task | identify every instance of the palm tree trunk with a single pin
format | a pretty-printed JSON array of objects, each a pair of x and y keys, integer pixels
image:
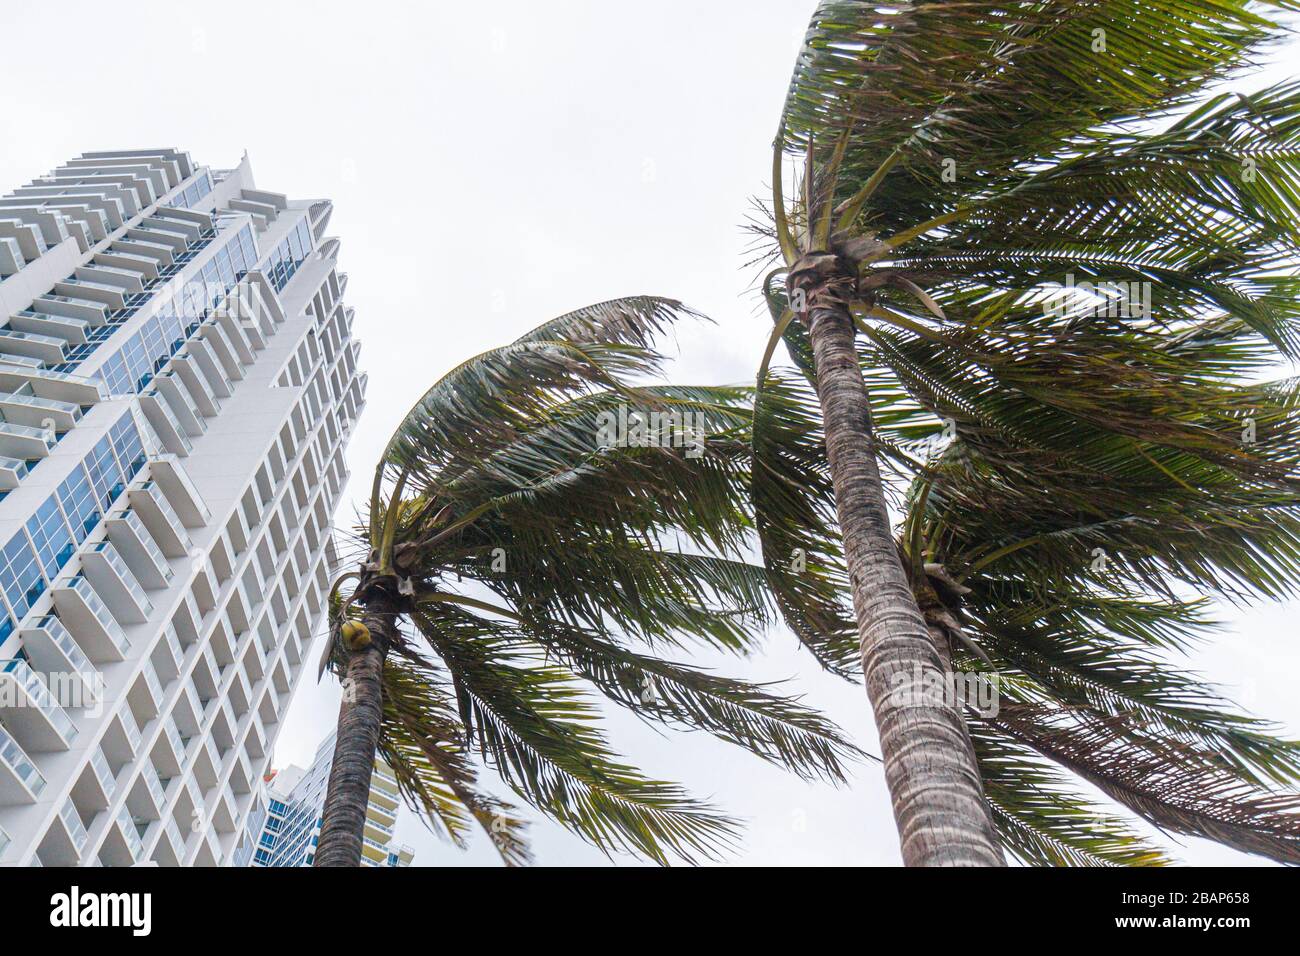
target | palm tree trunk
[
  {"x": 930, "y": 768},
  {"x": 348, "y": 793}
]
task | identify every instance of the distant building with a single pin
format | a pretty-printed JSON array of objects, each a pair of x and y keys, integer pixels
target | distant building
[{"x": 296, "y": 799}]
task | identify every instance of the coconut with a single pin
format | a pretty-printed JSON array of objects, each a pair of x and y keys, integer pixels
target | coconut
[{"x": 356, "y": 635}]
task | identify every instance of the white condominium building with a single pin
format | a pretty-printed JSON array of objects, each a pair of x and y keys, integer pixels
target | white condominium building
[
  {"x": 178, "y": 381},
  {"x": 290, "y": 828}
]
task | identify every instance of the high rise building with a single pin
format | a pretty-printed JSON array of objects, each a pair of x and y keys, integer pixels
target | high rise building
[
  {"x": 290, "y": 826},
  {"x": 178, "y": 381}
]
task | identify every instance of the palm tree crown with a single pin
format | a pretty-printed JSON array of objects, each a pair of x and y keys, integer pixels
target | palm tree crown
[{"x": 534, "y": 555}]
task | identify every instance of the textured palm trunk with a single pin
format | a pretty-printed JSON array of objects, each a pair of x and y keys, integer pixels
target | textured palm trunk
[
  {"x": 348, "y": 793},
  {"x": 930, "y": 766}
]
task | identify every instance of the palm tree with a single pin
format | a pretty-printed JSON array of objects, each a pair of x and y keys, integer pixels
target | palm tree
[
  {"x": 519, "y": 548},
  {"x": 957, "y": 161},
  {"x": 1061, "y": 574}
]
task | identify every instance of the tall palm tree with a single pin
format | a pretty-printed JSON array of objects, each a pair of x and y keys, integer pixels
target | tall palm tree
[
  {"x": 955, "y": 161},
  {"x": 1061, "y": 573},
  {"x": 522, "y": 545}
]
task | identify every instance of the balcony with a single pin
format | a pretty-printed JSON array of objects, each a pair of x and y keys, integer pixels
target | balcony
[
  {"x": 145, "y": 266},
  {"x": 110, "y": 295},
  {"x": 61, "y": 386},
  {"x": 90, "y": 621},
  {"x": 210, "y": 365},
  {"x": 188, "y": 619},
  {"x": 170, "y": 752},
  {"x": 174, "y": 435},
  {"x": 168, "y": 655},
  {"x": 20, "y": 781},
  {"x": 129, "y": 831},
  {"x": 242, "y": 778},
  {"x": 214, "y": 334},
  {"x": 73, "y": 306},
  {"x": 174, "y": 239},
  {"x": 34, "y": 411},
  {"x": 131, "y": 730},
  {"x": 147, "y": 798},
  {"x": 12, "y": 472},
  {"x": 65, "y": 840},
  {"x": 256, "y": 333},
  {"x": 95, "y": 787},
  {"x": 136, "y": 545},
  {"x": 64, "y": 327},
  {"x": 381, "y": 797},
  {"x": 170, "y": 848},
  {"x": 25, "y": 442},
  {"x": 52, "y": 649},
  {"x": 128, "y": 280},
  {"x": 374, "y": 849},
  {"x": 255, "y": 660},
  {"x": 206, "y": 674},
  {"x": 160, "y": 252},
  {"x": 177, "y": 393},
  {"x": 207, "y": 763},
  {"x": 32, "y": 345},
  {"x": 255, "y": 740},
  {"x": 146, "y": 694},
  {"x": 115, "y": 583},
  {"x": 240, "y": 694},
  {"x": 179, "y": 491},
  {"x": 225, "y": 811},
  {"x": 187, "y": 713},
  {"x": 234, "y": 333},
  {"x": 377, "y": 831},
  {"x": 35, "y": 718},
  {"x": 187, "y": 369},
  {"x": 192, "y": 231}
]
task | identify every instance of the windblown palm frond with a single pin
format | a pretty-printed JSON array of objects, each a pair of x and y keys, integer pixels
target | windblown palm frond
[{"x": 547, "y": 519}]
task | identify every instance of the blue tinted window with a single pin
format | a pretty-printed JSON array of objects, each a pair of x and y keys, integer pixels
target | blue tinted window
[
  {"x": 105, "y": 476},
  {"x": 127, "y": 444},
  {"x": 78, "y": 502},
  {"x": 51, "y": 537},
  {"x": 20, "y": 574},
  {"x": 115, "y": 375},
  {"x": 249, "y": 246}
]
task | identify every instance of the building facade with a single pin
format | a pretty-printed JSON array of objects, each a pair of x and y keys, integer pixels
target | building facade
[
  {"x": 290, "y": 826},
  {"x": 178, "y": 382}
]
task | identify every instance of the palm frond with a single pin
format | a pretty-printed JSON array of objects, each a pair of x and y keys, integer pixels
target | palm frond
[
  {"x": 422, "y": 740},
  {"x": 537, "y": 730}
]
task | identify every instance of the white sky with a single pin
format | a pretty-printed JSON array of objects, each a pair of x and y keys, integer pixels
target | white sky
[{"x": 493, "y": 166}]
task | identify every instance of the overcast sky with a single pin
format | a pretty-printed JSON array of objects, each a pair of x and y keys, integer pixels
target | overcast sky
[{"x": 493, "y": 166}]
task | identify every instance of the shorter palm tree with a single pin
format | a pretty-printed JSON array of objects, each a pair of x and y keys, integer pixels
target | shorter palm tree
[{"x": 543, "y": 522}]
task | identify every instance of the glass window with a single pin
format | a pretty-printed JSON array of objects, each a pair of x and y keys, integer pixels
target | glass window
[
  {"x": 127, "y": 444},
  {"x": 51, "y": 537},
  {"x": 20, "y": 574},
  {"x": 249, "y": 246},
  {"x": 78, "y": 502},
  {"x": 105, "y": 476},
  {"x": 295, "y": 246}
]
